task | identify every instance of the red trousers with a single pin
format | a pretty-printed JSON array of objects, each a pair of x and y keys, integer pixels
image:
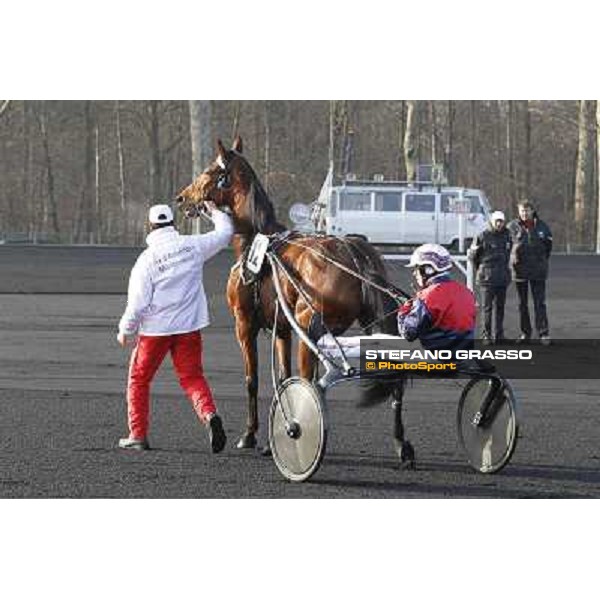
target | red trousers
[{"x": 146, "y": 358}]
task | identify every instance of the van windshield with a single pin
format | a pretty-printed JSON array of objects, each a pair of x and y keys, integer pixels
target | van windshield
[{"x": 476, "y": 204}]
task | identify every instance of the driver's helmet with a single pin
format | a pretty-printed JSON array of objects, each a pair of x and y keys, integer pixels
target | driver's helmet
[{"x": 431, "y": 255}]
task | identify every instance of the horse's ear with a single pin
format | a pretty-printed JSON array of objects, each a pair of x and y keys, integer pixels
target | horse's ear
[
  {"x": 221, "y": 149},
  {"x": 237, "y": 144}
]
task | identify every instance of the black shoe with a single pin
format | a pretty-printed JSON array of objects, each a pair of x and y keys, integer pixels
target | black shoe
[
  {"x": 216, "y": 434},
  {"x": 486, "y": 341},
  {"x": 130, "y": 443},
  {"x": 523, "y": 339},
  {"x": 545, "y": 339}
]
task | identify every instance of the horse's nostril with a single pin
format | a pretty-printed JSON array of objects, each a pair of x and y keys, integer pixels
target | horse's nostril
[{"x": 179, "y": 199}]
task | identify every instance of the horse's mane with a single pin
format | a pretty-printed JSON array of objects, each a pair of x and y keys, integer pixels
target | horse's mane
[{"x": 262, "y": 212}]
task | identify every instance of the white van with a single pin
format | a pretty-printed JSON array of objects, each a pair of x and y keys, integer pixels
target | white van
[{"x": 398, "y": 214}]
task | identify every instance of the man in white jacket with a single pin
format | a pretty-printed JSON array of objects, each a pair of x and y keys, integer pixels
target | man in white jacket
[{"x": 167, "y": 308}]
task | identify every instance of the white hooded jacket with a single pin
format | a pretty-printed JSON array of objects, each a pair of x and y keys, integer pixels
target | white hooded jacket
[{"x": 166, "y": 293}]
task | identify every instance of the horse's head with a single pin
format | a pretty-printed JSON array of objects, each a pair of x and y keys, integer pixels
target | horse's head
[{"x": 225, "y": 178}]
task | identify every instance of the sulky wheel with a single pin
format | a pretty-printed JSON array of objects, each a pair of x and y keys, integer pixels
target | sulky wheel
[
  {"x": 297, "y": 429},
  {"x": 487, "y": 423}
]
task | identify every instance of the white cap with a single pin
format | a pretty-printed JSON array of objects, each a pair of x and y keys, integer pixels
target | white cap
[
  {"x": 497, "y": 215},
  {"x": 160, "y": 213}
]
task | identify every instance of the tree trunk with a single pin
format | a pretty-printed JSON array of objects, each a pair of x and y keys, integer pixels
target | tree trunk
[
  {"x": 401, "y": 132},
  {"x": 84, "y": 227},
  {"x": 472, "y": 141},
  {"x": 579, "y": 215},
  {"x": 121, "y": 161},
  {"x": 450, "y": 142},
  {"x": 201, "y": 141},
  {"x": 97, "y": 205},
  {"x": 26, "y": 182},
  {"x": 527, "y": 159},
  {"x": 267, "y": 148},
  {"x": 236, "y": 118},
  {"x": 338, "y": 135},
  {"x": 51, "y": 210},
  {"x": 331, "y": 131},
  {"x": 154, "y": 143},
  {"x": 4, "y": 107},
  {"x": 598, "y": 175},
  {"x": 410, "y": 158},
  {"x": 201, "y": 134},
  {"x": 433, "y": 132}
]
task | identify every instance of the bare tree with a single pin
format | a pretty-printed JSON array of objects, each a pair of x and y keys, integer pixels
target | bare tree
[
  {"x": 235, "y": 127},
  {"x": 267, "y": 146},
  {"x": 201, "y": 134},
  {"x": 433, "y": 131},
  {"x": 598, "y": 175},
  {"x": 153, "y": 132},
  {"x": 410, "y": 158},
  {"x": 472, "y": 140},
  {"x": 4, "y": 107},
  {"x": 401, "y": 171},
  {"x": 581, "y": 170},
  {"x": 449, "y": 147},
  {"x": 527, "y": 160},
  {"x": 84, "y": 226},
  {"x": 201, "y": 139},
  {"x": 50, "y": 207},
  {"x": 121, "y": 163},
  {"x": 97, "y": 205}
]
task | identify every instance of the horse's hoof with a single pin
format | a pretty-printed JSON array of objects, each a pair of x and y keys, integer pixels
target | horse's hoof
[
  {"x": 247, "y": 441},
  {"x": 266, "y": 450},
  {"x": 406, "y": 454}
]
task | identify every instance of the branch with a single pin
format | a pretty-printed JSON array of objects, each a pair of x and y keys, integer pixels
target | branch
[{"x": 4, "y": 107}]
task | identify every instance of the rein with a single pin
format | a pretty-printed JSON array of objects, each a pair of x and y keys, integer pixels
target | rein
[{"x": 386, "y": 290}]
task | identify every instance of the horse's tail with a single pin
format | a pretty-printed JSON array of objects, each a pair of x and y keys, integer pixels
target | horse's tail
[
  {"x": 379, "y": 308},
  {"x": 378, "y": 314}
]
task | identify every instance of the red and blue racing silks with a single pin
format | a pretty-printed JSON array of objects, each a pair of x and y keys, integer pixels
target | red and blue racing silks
[{"x": 441, "y": 315}]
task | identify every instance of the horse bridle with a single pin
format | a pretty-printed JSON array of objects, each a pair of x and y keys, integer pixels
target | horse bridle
[{"x": 224, "y": 177}]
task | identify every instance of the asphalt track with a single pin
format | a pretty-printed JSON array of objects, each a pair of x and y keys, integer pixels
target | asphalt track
[{"x": 62, "y": 404}]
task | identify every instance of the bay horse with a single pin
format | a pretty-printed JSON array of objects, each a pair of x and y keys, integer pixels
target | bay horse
[{"x": 336, "y": 296}]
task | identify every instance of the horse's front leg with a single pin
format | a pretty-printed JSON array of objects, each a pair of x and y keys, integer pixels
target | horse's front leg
[
  {"x": 404, "y": 449},
  {"x": 246, "y": 334}
]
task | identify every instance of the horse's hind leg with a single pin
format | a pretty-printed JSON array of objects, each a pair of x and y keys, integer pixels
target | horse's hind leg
[
  {"x": 306, "y": 361},
  {"x": 283, "y": 345},
  {"x": 404, "y": 449}
]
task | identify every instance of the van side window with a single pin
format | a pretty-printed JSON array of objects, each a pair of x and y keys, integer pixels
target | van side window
[
  {"x": 420, "y": 202},
  {"x": 388, "y": 202},
  {"x": 355, "y": 201}
]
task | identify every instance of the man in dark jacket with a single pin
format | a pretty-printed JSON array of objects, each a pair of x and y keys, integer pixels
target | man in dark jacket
[
  {"x": 532, "y": 246},
  {"x": 490, "y": 253}
]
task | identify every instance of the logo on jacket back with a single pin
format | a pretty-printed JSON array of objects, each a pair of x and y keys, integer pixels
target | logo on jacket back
[{"x": 170, "y": 259}]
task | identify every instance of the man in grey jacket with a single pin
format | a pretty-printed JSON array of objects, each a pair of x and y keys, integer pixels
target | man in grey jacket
[
  {"x": 490, "y": 253},
  {"x": 532, "y": 246}
]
